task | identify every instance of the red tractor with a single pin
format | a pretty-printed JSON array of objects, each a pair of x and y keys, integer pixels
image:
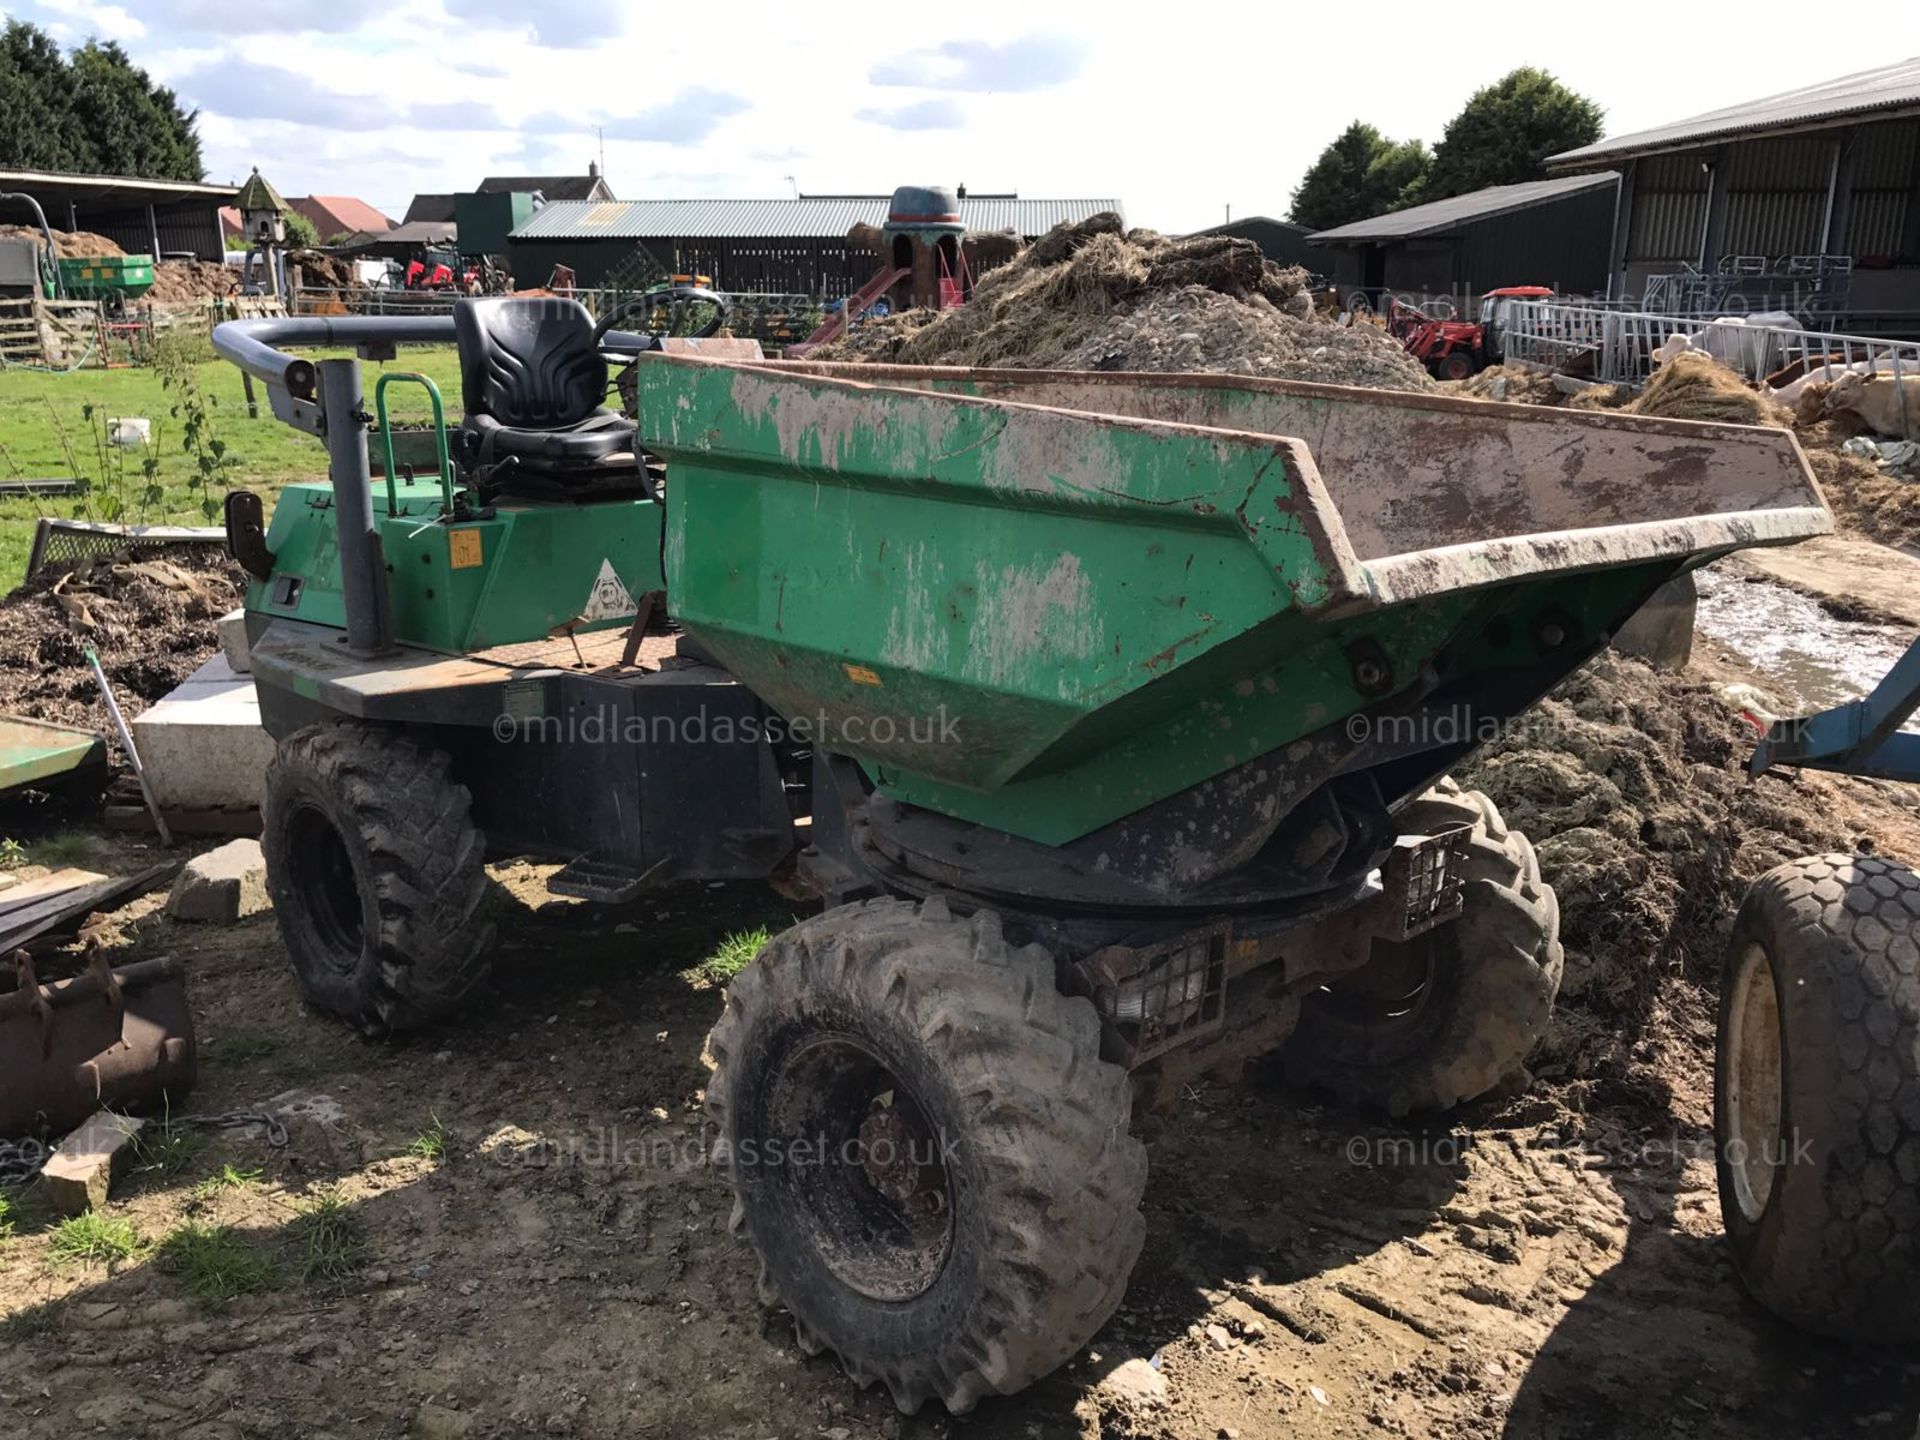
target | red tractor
[{"x": 1455, "y": 349}]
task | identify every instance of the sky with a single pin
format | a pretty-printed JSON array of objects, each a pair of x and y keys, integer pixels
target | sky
[{"x": 1183, "y": 114}]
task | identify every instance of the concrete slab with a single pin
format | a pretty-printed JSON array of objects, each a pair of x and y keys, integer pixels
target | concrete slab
[
  {"x": 233, "y": 640},
  {"x": 202, "y": 744},
  {"x": 1843, "y": 567},
  {"x": 222, "y": 886},
  {"x": 84, "y": 1163}
]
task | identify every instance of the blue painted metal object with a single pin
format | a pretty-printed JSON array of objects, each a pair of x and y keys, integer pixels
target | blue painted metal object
[{"x": 1862, "y": 737}]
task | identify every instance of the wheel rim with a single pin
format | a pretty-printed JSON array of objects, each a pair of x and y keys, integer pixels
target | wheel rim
[
  {"x": 1756, "y": 1080},
  {"x": 1387, "y": 996},
  {"x": 863, "y": 1165},
  {"x": 327, "y": 888}
]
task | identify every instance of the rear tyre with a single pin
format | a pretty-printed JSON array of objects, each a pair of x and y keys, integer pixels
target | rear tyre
[
  {"x": 974, "y": 1212},
  {"x": 1444, "y": 1017},
  {"x": 1817, "y": 1096},
  {"x": 377, "y": 876}
]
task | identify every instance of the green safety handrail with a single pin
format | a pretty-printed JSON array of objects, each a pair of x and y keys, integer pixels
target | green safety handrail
[{"x": 386, "y": 435}]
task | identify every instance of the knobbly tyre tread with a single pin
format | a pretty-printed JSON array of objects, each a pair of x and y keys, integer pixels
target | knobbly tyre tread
[
  {"x": 409, "y": 830},
  {"x": 1497, "y": 1006},
  {"x": 1045, "y": 1115},
  {"x": 1837, "y": 1248}
]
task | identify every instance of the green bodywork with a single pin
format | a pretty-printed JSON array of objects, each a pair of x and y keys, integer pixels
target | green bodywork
[
  {"x": 34, "y": 752},
  {"x": 106, "y": 277},
  {"x": 1043, "y": 616},
  {"x": 472, "y": 584}
]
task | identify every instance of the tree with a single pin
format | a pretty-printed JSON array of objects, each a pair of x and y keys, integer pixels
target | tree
[
  {"x": 95, "y": 112},
  {"x": 1507, "y": 130},
  {"x": 134, "y": 126},
  {"x": 1361, "y": 174},
  {"x": 300, "y": 231}
]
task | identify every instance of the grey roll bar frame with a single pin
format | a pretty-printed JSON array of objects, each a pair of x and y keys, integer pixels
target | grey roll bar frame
[
  {"x": 311, "y": 394},
  {"x": 303, "y": 391}
]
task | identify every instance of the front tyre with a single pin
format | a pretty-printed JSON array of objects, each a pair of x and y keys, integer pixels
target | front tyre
[
  {"x": 1817, "y": 1096},
  {"x": 377, "y": 876},
  {"x": 926, "y": 1150}
]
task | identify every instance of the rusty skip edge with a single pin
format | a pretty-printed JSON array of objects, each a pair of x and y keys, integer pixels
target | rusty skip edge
[{"x": 1347, "y": 584}]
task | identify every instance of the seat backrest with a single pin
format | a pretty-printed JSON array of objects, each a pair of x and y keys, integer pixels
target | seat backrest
[{"x": 529, "y": 362}]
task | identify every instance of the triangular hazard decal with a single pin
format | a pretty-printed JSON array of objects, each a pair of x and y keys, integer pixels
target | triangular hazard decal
[{"x": 609, "y": 599}]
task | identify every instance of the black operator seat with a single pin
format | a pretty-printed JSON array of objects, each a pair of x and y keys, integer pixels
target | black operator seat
[{"x": 532, "y": 382}]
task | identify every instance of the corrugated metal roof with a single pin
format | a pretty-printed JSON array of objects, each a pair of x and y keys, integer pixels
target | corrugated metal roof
[
  {"x": 108, "y": 187},
  {"x": 812, "y": 217},
  {"x": 1441, "y": 215},
  {"x": 1892, "y": 87}
]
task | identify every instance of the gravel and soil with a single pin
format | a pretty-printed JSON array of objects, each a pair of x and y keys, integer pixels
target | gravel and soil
[{"x": 535, "y": 1244}]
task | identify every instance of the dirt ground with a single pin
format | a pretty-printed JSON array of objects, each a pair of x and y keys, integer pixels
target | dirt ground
[{"x": 1545, "y": 1264}]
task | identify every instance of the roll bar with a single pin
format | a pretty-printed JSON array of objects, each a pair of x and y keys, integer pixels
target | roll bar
[{"x": 250, "y": 344}]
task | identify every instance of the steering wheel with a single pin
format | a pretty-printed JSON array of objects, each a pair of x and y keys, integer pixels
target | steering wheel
[{"x": 648, "y": 303}]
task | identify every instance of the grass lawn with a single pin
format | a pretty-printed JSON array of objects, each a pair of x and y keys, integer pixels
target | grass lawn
[{"x": 36, "y": 408}]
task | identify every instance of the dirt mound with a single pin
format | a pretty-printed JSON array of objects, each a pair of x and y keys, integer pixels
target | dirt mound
[
  {"x": 150, "y": 619},
  {"x": 879, "y": 338},
  {"x": 1695, "y": 386},
  {"x": 324, "y": 271},
  {"x": 1086, "y": 296},
  {"x": 1197, "y": 329},
  {"x": 67, "y": 244},
  {"x": 181, "y": 281},
  {"x": 1630, "y": 784}
]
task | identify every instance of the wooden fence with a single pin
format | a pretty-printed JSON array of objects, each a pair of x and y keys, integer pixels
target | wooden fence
[{"x": 85, "y": 334}]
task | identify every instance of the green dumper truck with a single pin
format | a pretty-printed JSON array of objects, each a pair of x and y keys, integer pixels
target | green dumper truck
[{"x": 1107, "y": 717}]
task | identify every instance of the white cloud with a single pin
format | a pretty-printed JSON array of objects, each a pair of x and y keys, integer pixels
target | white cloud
[
  {"x": 380, "y": 98},
  {"x": 938, "y": 114},
  {"x": 1032, "y": 62}
]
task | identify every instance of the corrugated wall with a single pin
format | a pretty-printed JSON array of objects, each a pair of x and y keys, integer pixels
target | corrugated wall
[
  {"x": 1777, "y": 195},
  {"x": 1884, "y": 170},
  {"x": 190, "y": 228},
  {"x": 1563, "y": 243},
  {"x": 1669, "y": 209}
]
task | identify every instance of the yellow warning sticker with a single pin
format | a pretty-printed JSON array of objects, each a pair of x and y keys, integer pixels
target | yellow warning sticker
[
  {"x": 463, "y": 549},
  {"x": 861, "y": 675}
]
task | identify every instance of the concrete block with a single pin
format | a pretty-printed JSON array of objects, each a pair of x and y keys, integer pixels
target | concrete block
[
  {"x": 1661, "y": 631},
  {"x": 223, "y": 885},
  {"x": 202, "y": 744},
  {"x": 233, "y": 641},
  {"x": 84, "y": 1164}
]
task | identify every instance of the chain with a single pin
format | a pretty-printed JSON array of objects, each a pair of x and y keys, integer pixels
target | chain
[
  {"x": 20, "y": 1161},
  {"x": 233, "y": 1119}
]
